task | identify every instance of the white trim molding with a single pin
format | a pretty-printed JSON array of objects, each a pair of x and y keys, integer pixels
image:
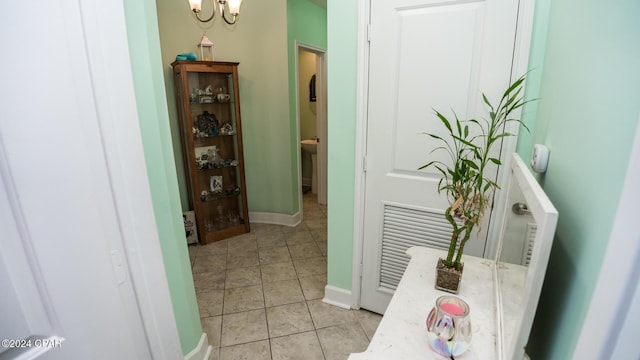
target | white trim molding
[
  {"x": 361, "y": 150},
  {"x": 336, "y": 296},
  {"x": 119, "y": 127},
  {"x": 202, "y": 351},
  {"x": 321, "y": 117},
  {"x": 275, "y": 218}
]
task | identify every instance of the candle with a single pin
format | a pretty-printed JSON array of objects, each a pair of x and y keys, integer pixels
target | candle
[
  {"x": 449, "y": 326},
  {"x": 452, "y": 309}
]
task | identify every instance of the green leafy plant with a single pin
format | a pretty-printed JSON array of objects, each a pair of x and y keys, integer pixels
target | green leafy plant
[{"x": 469, "y": 146}]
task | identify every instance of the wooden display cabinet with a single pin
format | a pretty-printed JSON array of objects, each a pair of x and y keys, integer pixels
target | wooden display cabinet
[{"x": 208, "y": 104}]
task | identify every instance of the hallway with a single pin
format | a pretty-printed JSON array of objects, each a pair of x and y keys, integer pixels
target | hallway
[{"x": 260, "y": 295}]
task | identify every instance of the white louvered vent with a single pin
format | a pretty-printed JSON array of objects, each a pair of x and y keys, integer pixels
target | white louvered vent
[
  {"x": 529, "y": 238},
  {"x": 403, "y": 228}
]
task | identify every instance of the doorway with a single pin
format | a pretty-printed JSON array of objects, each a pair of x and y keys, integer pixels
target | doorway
[{"x": 311, "y": 122}]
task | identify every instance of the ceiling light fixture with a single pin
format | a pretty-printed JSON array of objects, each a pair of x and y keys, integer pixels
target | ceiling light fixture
[{"x": 234, "y": 9}]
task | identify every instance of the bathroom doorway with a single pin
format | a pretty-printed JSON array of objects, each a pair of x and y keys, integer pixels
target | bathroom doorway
[{"x": 311, "y": 110}]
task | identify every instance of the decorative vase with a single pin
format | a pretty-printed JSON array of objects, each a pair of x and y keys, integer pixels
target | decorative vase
[
  {"x": 449, "y": 326},
  {"x": 448, "y": 279}
]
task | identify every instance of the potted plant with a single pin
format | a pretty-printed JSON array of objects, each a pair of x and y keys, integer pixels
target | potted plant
[{"x": 464, "y": 179}]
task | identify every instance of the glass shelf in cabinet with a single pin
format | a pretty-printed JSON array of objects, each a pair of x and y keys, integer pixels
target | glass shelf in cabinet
[
  {"x": 209, "y": 196},
  {"x": 208, "y": 166}
]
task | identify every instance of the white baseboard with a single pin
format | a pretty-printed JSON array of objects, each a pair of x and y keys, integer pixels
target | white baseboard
[
  {"x": 202, "y": 351},
  {"x": 337, "y": 296},
  {"x": 275, "y": 218}
]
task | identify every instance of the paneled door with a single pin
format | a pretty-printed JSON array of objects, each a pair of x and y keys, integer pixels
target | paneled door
[{"x": 423, "y": 55}]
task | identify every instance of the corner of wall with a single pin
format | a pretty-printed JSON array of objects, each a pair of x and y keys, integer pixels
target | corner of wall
[
  {"x": 152, "y": 113},
  {"x": 336, "y": 296},
  {"x": 202, "y": 351}
]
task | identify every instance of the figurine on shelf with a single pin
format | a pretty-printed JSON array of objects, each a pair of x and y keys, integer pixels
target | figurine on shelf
[
  {"x": 207, "y": 157},
  {"x": 205, "y": 99},
  {"x": 213, "y": 156},
  {"x": 220, "y": 89},
  {"x": 223, "y": 98},
  {"x": 207, "y": 124},
  {"x": 232, "y": 190},
  {"x": 226, "y": 129},
  {"x": 197, "y": 133},
  {"x": 216, "y": 184},
  {"x": 199, "y": 96}
]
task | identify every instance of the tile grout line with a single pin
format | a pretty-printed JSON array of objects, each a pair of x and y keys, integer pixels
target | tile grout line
[
  {"x": 313, "y": 233},
  {"x": 264, "y": 300}
]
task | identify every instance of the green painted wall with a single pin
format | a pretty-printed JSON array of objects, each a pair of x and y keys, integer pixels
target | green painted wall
[
  {"x": 144, "y": 46},
  {"x": 307, "y": 24},
  {"x": 534, "y": 77},
  {"x": 258, "y": 41},
  {"x": 587, "y": 115},
  {"x": 341, "y": 119}
]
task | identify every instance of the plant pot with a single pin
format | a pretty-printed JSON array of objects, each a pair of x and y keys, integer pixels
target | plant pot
[{"x": 448, "y": 279}]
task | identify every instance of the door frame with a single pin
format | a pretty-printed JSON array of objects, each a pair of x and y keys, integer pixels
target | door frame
[
  {"x": 524, "y": 29},
  {"x": 321, "y": 118},
  {"x": 137, "y": 256},
  {"x": 124, "y": 154}
]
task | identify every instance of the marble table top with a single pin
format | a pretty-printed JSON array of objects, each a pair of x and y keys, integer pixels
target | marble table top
[{"x": 402, "y": 333}]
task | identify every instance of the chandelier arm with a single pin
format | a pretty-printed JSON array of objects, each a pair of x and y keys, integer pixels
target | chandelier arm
[
  {"x": 227, "y": 21},
  {"x": 224, "y": 17},
  {"x": 213, "y": 13}
]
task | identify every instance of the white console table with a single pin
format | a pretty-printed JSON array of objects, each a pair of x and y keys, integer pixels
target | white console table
[
  {"x": 402, "y": 333},
  {"x": 514, "y": 289}
]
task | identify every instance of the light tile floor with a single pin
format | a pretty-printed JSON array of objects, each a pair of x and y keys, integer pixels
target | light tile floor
[{"x": 260, "y": 295}]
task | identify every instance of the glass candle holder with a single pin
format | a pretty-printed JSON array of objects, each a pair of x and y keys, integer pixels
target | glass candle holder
[{"x": 449, "y": 326}]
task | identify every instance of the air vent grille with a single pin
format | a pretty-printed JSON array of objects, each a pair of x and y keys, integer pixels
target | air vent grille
[
  {"x": 403, "y": 228},
  {"x": 530, "y": 236}
]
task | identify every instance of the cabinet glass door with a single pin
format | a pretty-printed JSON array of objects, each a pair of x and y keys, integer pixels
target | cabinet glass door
[{"x": 213, "y": 151}]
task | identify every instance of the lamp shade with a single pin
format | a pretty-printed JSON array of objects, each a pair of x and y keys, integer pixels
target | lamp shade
[
  {"x": 234, "y": 6},
  {"x": 195, "y": 5}
]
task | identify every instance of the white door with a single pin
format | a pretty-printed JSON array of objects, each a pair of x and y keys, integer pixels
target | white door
[
  {"x": 76, "y": 217},
  {"x": 424, "y": 55}
]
